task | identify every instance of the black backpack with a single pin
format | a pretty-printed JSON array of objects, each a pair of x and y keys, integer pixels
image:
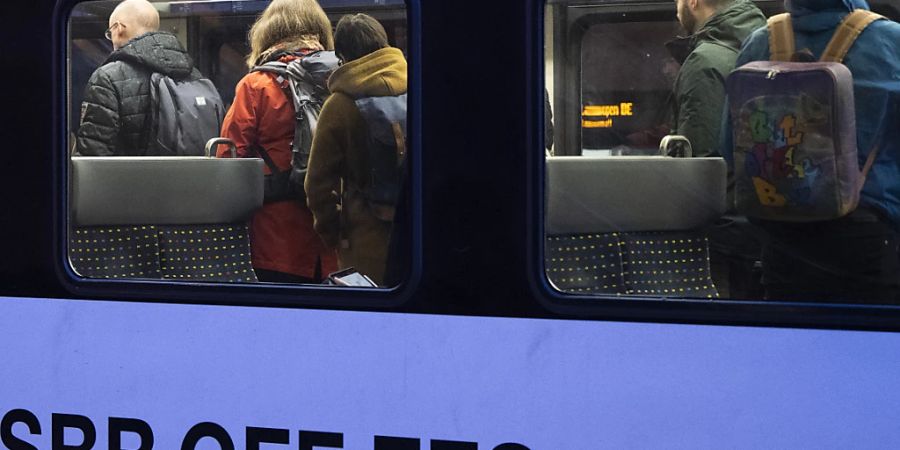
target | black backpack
[
  {"x": 184, "y": 115},
  {"x": 385, "y": 119},
  {"x": 307, "y": 89}
]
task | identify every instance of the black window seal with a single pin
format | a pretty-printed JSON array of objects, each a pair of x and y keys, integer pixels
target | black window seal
[
  {"x": 244, "y": 294},
  {"x": 871, "y": 317}
]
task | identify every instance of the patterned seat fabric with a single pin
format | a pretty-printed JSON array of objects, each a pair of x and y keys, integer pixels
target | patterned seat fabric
[
  {"x": 586, "y": 263},
  {"x": 205, "y": 253},
  {"x": 180, "y": 252},
  {"x": 665, "y": 264},
  {"x": 115, "y": 252},
  {"x": 669, "y": 264}
]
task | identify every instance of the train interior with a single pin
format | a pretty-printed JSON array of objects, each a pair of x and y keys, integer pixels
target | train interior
[
  {"x": 127, "y": 224},
  {"x": 623, "y": 217}
]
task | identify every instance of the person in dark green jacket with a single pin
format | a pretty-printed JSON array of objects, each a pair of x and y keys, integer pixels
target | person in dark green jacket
[{"x": 716, "y": 29}]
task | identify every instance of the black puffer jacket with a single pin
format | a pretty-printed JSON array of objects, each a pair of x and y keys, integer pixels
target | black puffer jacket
[{"x": 117, "y": 100}]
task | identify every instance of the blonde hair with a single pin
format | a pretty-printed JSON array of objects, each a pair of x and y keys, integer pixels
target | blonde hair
[{"x": 289, "y": 21}]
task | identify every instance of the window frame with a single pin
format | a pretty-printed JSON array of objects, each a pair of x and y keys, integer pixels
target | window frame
[
  {"x": 643, "y": 308},
  {"x": 218, "y": 293}
]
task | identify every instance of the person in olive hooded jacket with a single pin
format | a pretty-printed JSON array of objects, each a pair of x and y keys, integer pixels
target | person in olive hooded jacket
[
  {"x": 117, "y": 97},
  {"x": 716, "y": 29},
  {"x": 338, "y": 162}
]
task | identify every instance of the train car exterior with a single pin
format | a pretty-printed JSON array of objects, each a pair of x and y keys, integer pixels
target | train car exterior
[{"x": 475, "y": 348}]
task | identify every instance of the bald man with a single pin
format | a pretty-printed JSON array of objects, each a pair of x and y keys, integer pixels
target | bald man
[
  {"x": 130, "y": 19},
  {"x": 117, "y": 99}
]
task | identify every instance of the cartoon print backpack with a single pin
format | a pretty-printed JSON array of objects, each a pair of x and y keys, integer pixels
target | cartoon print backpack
[{"x": 795, "y": 155}]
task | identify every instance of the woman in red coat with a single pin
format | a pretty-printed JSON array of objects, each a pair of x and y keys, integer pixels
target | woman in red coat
[{"x": 284, "y": 246}]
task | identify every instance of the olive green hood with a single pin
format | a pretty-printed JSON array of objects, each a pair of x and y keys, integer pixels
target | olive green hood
[{"x": 379, "y": 73}]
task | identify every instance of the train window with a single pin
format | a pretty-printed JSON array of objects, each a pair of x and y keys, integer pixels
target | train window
[
  {"x": 188, "y": 162},
  {"x": 635, "y": 209}
]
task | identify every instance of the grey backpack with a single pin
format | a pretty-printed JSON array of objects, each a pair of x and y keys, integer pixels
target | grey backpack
[
  {"x": 307, "y": 88},
  {"x": 385, "y": 119},
  {"x": 184, "y": 115}
]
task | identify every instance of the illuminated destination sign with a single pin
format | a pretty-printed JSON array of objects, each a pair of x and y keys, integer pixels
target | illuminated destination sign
[{"x": 601, "y": 116}]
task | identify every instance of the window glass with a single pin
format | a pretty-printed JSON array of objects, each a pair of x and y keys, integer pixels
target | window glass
[
  {"x": 626, "y": 108},
  {"x": 145, "y": 200},
  {"x": 645, "y": 160}
]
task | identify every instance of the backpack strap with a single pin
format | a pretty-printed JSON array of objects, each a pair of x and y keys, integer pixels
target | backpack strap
[
  {"x": 870, "y": 160},
  {"x": 781, "y": 37},
  {"x": 847, "y": 32},
  {"x": 277, "y": 67},
  {"x": 400, "y": 142},
  {"x": 850, "y": 28},
  {"x": 873, "y": 153},
  {"x": 264, "y": 154}
]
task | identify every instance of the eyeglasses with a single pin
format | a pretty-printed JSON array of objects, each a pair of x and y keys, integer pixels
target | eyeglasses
[{"x": 108, "y": 32}]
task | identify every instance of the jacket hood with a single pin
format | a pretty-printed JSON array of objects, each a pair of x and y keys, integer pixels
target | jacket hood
[
  {"x": 804, "y": 7},
  {"x": 159, "y": 51},
  {"x": 300, "y": 46},
  {"x": 731, "y": 25},
  {"x": 380, "y": 73}
]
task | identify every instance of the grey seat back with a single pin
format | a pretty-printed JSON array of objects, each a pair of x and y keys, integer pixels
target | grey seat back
[
  {"x": 630, "y": 225},
  {"x": 181, "y": 218},
  {"x": 164, "y": 190},
  {"x": 632, "y": 193}
]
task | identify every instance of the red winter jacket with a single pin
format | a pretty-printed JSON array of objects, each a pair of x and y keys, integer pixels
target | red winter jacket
[{"x": 281, "y": 233}]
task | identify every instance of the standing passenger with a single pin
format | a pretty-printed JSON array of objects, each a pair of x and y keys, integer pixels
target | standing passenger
[
  {"x": 340, "y": 161},
  {"x": 854, "y": 258},
  {"x": 716, "y": 29},
  {"x": 117, "y": 99},
  {"x": 284, "y": 246}
]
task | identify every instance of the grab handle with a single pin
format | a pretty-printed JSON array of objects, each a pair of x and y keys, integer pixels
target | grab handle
[
  {"x": 675, "y": 146},
  {"x": 214, "y": 143}
]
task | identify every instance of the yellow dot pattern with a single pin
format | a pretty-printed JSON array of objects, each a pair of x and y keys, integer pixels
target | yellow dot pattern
[
  {"x": 115, "y": 252},
  {"x": 219, "y": 253},
  {"x": 656, "y": 264},
  {"x": 586, "y": 263},
  {"x": 668, "y": 264},
  {"x": 205, "y": 253}
]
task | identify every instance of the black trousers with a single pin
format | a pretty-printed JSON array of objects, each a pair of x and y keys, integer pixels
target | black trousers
[
  {"x": 734, "y": 253},
  {"x": 272, "y": 276},
  {"x": 853, "y": 259}
]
